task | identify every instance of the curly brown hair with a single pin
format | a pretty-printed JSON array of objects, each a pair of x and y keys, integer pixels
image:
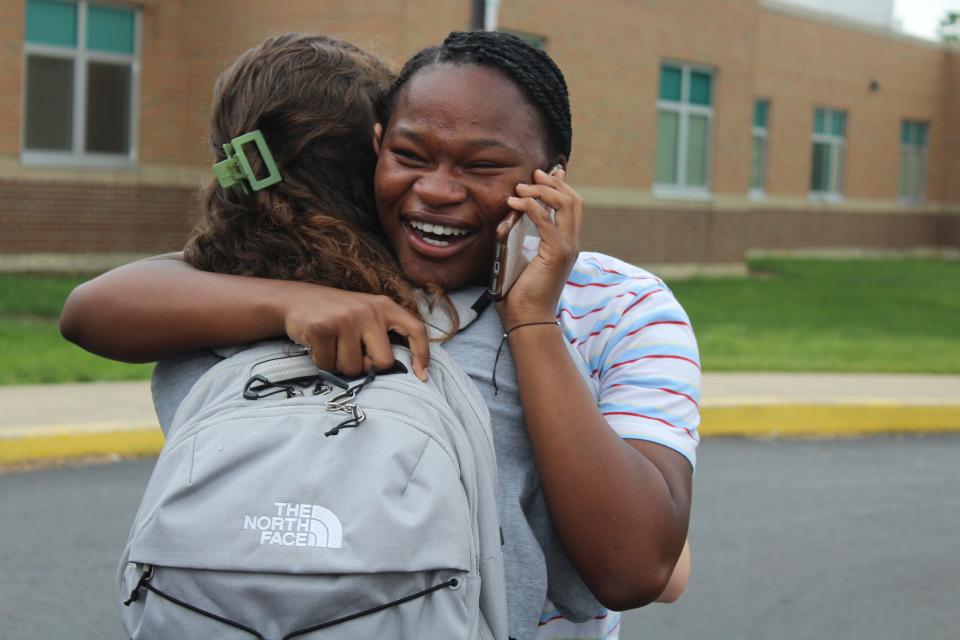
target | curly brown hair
[{"x": 315, "y": 101}]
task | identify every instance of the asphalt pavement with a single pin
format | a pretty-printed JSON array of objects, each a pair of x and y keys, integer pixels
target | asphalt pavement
[
  {"x": 791, "y": 539},
  {"x": 825, "y": 536}
]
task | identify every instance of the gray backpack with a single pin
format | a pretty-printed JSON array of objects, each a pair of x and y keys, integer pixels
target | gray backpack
[{"x": 288, "y": 502}]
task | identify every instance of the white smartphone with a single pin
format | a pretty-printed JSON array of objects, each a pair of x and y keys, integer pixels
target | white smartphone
[{"x": 514, "y": 249}]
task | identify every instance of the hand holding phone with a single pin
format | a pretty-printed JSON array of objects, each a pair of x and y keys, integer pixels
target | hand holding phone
[{"x": 513, "y": 249}]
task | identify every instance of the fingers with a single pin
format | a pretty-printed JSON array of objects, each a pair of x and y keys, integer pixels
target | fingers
[
  {"x": 557, "y": 180},
  {"x": 561, "y": 174},
  {"x": 324, "y": 353},
  {"x": 350, "y": 353},
  {"x": 415, "y": 331},
  {"x": 350, "y": 334},
  {"x": 555, "y": 193},
  {"x": 378, "y": 352}
]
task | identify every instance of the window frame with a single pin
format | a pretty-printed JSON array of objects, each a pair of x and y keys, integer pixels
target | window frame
[
  {"x": 81, "y": 57},
  {"x": 763, "y": 133},
  {"x": 838, "y": 148},
  {"x": 922, "y": 151},
  {"x": 684, "y": 109}
]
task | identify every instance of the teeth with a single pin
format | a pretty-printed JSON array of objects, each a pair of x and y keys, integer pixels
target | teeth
[
  {"x": 437, "y": 229},
  {"x": 435, "y": 243}
]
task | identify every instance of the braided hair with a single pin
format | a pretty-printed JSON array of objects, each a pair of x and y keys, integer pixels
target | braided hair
[{"x": 531, "y": 68}]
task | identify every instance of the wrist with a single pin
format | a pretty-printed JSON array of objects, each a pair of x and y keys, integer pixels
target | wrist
[
  {"x": 530, "y": 325},
  {"x": 275, "y": 303},
  {"x": 511, "y": 318}
]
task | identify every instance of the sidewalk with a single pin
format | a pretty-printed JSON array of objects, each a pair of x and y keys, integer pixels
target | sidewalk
[{"x": 45, "y": 422}]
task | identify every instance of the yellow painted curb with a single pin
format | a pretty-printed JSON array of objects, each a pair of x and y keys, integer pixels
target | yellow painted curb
[
  {"x": 141, "y": 442},
  {"x": 756, "y": 420},
  {"x": 823, "y": 420}
]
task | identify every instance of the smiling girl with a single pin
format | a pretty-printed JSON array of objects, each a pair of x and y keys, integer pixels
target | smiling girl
[{"x": 596, "y": 417}]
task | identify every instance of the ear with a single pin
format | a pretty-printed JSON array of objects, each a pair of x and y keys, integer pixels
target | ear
[{"x": 377, "y": 137}]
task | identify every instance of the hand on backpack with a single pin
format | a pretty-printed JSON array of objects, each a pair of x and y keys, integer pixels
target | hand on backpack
[{"x": 348, "y": 331}]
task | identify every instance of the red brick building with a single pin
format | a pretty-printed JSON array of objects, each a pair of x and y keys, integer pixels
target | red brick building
[{"x": 703, "y": 129}]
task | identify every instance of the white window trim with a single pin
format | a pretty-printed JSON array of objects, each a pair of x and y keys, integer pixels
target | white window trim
[
  {"x": 684, "y": 110},
  {"x": 837, "y": 146},
  {"x": 81, "y": 56}
]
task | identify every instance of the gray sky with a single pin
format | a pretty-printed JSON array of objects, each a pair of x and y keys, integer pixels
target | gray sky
[{"x": 921, "y": 17}]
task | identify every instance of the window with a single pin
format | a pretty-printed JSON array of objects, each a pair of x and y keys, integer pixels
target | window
[
  {"x": 829, "y": 140},
  {"x": 81, "y": 68},
  {"x": 684, "y": 119},
  {"x": 758, "y": 153},
  {"x": 913, "y": 161}
]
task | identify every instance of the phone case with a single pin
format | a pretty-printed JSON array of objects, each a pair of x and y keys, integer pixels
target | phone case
[{"x": 509, "y": 260}]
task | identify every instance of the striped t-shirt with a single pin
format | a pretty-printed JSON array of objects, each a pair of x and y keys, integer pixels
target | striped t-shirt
[{"x": 639, "y": 357}]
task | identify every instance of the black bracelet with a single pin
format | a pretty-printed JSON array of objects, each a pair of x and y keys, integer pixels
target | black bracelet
[{"x": 504, "y": 339}]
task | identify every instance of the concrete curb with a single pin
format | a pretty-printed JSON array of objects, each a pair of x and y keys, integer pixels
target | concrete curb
[{"x": 761, "y": 419}]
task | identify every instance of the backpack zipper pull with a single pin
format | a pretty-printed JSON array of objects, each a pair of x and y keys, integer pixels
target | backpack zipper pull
[
  {"x": 356, "y": 417},
  {"x": 145, "y": 576}
]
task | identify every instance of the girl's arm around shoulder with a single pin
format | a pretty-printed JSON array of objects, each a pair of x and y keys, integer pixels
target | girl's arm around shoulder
[{"x": 161, "y": 307}]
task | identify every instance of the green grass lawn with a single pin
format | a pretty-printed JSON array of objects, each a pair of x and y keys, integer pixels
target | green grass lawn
[
  {"x": 31, "y": 349},
  {"x": 890, "y": 316},
  {"x": 790, "y": 315}
]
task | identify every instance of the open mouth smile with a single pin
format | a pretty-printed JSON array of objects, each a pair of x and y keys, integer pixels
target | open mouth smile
[
  {"x": 437, "y": 240},
  {"x": 437, "y": 235}
]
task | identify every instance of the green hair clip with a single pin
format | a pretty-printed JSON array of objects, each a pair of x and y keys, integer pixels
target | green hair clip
[{"x": 236, "y": 168}]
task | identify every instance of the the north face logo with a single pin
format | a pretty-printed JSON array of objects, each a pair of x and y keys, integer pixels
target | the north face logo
[{"x": 297, "y": 525}]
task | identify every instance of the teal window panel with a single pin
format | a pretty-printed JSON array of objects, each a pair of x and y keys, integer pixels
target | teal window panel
[
  {"x": 697, "y": 132},
  {"x": 921, "y": 134},
  {"x": 50, "y": 22},
  {"x": 821, "y": 170},
  {"x": 701, "y": 88},
  {"x": 836, "y": 175},
  {"x": 671, "y": 79},
  {"x": 758, "y": 163},
  {"x": 108, "y": 107},
  {"x": 110, "y": 29},
  {"x": 49, "y": 104},
  {"x": 668, "y": 139},
  {"x": 760, "y": 109},
  {"x": 820, "y": 121},
  {"x": 906, "y": 132},
  {"x": 838, "y": 124}
]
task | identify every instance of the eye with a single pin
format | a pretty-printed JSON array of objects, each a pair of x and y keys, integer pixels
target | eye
[
  {"x": 485, "y": 166},
  {"x": 409, "y": 157}
]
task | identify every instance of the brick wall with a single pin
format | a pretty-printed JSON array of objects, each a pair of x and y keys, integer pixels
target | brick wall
[
  {"x": 611, "y": 53},
  {"x": 803, "y": 64},
  {"x": 77, "y": 217},
  {"x": 718, "y": 236}
]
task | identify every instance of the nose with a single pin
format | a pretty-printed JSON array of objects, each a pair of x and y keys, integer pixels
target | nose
[{"x": 440, "y": 187}]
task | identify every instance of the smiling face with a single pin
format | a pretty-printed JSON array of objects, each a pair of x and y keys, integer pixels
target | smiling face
[{"x": 459, "y": 139}]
